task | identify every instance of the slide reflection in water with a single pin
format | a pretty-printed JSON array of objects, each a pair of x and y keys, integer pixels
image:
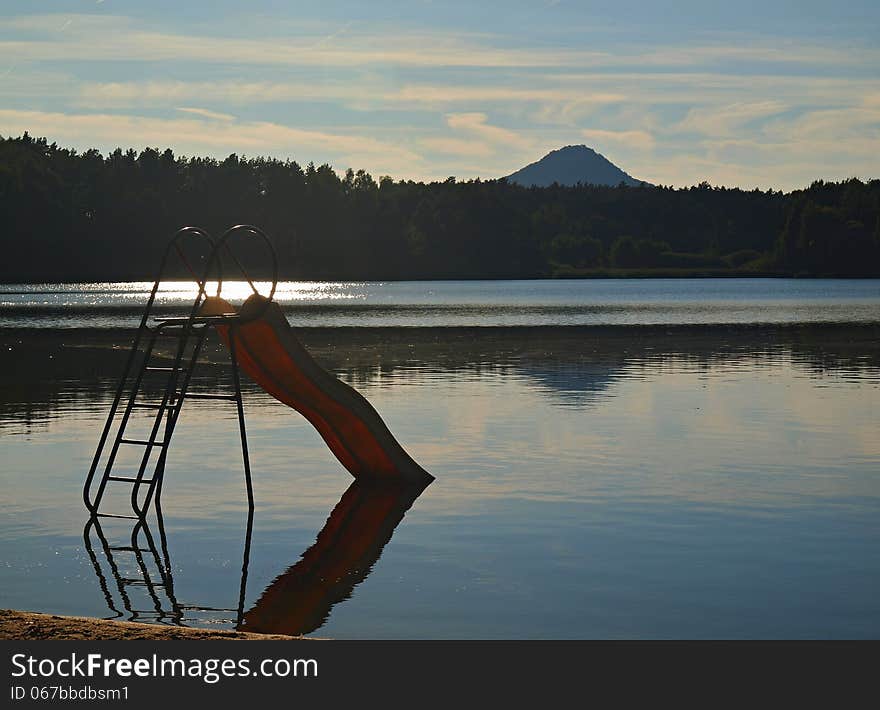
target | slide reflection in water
[{"x": 297, "y": 602}]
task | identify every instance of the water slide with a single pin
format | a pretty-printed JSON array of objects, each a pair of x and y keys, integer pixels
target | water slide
[{"x": 271, "y": 354}]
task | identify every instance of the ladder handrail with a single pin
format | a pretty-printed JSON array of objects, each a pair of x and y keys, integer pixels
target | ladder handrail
[{"x": 142, "y": 328}]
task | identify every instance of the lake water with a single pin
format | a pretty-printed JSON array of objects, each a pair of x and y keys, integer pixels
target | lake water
[
  {"x": 613, "y": 459},
  {"x": 472, "y": 303}
]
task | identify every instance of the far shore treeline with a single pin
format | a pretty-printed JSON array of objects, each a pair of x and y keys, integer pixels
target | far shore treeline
[{"x": 70, "y": 216}]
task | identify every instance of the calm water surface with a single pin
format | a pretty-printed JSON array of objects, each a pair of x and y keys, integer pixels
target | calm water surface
[
  {"x": 474, "y": 303},
  {"x": 593, "y": 481}
]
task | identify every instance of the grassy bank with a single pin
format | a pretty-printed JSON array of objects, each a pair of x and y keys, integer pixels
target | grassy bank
[{"x": 612, "y": 272}]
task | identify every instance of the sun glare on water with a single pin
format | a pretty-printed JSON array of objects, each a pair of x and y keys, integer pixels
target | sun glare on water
[{"x": 286, "y": 292}]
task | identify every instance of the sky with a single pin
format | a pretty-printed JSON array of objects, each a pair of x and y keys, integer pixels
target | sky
[{"x": 748, "y": 94}]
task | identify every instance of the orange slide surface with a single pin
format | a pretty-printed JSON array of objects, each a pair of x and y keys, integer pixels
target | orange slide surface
[{"x": 270, "y": 353}]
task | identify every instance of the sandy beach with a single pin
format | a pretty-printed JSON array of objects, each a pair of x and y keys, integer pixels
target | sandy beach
[{"x": 28, "y": 626}]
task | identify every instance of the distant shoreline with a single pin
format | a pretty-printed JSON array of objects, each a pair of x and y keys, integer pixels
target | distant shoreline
[
  {"x": 86, "y": 216},
  {"x": 560, "y": 275}
]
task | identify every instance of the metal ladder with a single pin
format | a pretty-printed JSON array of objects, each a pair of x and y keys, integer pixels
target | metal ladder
[
  {"x": 190, "y": 336},
  {"x": 189, "y": 333}
]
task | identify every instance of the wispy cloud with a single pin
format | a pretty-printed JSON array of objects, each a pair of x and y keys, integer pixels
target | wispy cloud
[
  {"x": 476, "y": 124},
  {"x": 715, "y": 87},
  {"x": 447, "y": 94},
  {"x": 97, "y": 95},
  {"x": 777, "y": 52},
  {"x": 641, "y": 140},
  {"x": 109, "y": 38},
  {"x": 841, "y": 126},
  {"x": 355, "y": 91},
  {"x": 458, "y": 147},
  {"x": 564, "y": 110},
  {"x": 102, "y": 37},
  {"x": 190, "y": 135},
  {"x": 725, "y": 120},
  {"x": 205, "y": 113}
]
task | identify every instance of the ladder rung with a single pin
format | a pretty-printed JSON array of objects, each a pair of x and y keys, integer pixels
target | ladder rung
[
  {"x": 129, "y": 480},
  {"x": 114, "y": 515},
  {"x": 149, "y": 612},
  {"x": 147, "y": 405},
  {"x": 198, "y": 320},
  {"x": 130, "y": 549},
  {"x": 141, "y": 582},
  {"x": 142, "y": 442},
  {"x": 203, "y": 395},
  {"x": 153, "y": 368}
]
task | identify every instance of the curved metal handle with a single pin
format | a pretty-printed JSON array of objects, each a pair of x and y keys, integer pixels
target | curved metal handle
[{"x": 223, "y": 245}]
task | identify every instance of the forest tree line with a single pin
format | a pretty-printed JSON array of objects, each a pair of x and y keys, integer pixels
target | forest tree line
[{"x": 71, "y": 215}]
